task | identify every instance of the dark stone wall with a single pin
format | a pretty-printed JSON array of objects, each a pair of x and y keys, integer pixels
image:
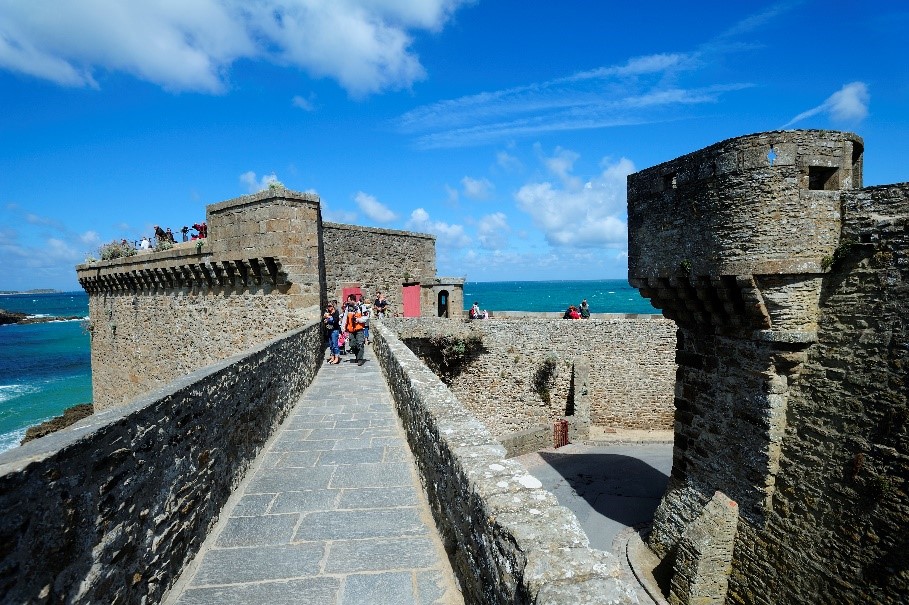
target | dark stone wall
[
  {"x": 789, "y": 287},
  {"x": 110, "y": 509},
  {"x": 836, "y": 532},
  {"x": 509, "y": 541}
]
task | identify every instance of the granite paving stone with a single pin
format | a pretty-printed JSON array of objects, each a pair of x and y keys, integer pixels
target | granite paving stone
[
  {"x": 239, "y": 565},
  {"x": 305, "y": 501},
  {"x": 252, "y": 504},
  {"x": 378, "y": 498},
  {"x": 307, "y": 591},
  {"x": 389, "y": 474},
  {"x": 251, "y": 531},
  {"x": 332, "y": 512},
  {"x": 375, "y": 555},
  {"x": 353, "y": 524},
  {"x": 386, "y": 588}
]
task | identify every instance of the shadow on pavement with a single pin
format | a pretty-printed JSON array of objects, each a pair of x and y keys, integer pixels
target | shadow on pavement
[{"x": 622, "y": 488}]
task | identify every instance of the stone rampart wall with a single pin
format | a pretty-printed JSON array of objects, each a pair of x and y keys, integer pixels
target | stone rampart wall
[
  {"x": 376, "y": 259},
  {"x": 631, "y": 370},
  {"x": 143, "y": 341},
  {"x": 111, "y": 509},
  {"x": 836, "y": 528},
  {"x": 509, "y": 540}
]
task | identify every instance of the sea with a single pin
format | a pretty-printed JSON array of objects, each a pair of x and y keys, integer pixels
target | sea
[{"x": 45, "y": 368}]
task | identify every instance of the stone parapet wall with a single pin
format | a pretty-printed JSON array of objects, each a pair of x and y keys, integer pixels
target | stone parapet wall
[
  {"x": 766, "y": 203},
  {"x": 508, "y": 539},
  {"x": 630, "y": 380},
  {"x": 376, "y": 259},
  {"x": 110, "y": 509}
]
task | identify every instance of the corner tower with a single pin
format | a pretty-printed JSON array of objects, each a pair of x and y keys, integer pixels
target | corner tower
[{"x": 732, "y": 243}]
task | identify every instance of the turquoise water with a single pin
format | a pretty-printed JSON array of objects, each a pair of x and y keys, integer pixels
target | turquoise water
[
  {"x": 603, "y": 296},
  {"x": 44, "y": 368}
]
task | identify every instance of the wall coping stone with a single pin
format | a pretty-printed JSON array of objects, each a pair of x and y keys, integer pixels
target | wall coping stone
[
  {"x": 509, "y": 539},
  {"x": 346, "y": 227}
]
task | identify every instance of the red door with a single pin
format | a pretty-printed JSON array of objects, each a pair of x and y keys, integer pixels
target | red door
[
  {"x": 410, "y": 295},
  {"x": 355, "y": 290}
]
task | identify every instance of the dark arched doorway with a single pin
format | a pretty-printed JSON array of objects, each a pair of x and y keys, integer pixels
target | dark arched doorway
[{"x": 443, "y": 303}]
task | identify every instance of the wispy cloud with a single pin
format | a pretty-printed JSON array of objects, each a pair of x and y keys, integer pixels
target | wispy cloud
[
  {"x": 641, "y": 90},
  {"x": 633, "y": 93},
  {"x": 848, "y": 104},
  {"x": 477, "y": 189},
  {"x": 447, "y": 235}
]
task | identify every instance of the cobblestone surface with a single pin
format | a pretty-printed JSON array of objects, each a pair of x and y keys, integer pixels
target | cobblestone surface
[{"x": 332, "y": 512}]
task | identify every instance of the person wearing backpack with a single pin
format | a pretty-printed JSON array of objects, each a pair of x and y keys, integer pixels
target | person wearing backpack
[{"x": 355, "y": 321}]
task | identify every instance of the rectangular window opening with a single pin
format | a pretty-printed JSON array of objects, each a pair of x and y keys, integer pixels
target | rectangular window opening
[{"x": 823, "y": 178}]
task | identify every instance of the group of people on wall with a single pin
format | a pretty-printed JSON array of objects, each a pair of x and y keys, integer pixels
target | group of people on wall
[
  {"x": 167, "y": 236},
  {"x": 347, "y": 326},
  {"x": 582, "y": 311}
]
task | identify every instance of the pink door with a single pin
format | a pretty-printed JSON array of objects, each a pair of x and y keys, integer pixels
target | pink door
[
  {"x": 355, "y": 290},
  {"x": 410, "y": 295}
]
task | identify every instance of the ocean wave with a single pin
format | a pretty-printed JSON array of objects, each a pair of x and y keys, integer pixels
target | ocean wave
[
  {"x": 10, "y": 391},
  {"x": 10, "y": 440}
]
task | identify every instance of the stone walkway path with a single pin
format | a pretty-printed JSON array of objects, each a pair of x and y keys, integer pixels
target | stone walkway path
[{"x": 332, "y": 512}]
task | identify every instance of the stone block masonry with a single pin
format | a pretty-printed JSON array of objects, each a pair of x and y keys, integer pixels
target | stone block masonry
[
  {"x": 509, "y": 540},
  {"x": 110, "y": 509},
  {"x": 268, "y": 265},
  {"x": 521, "y": 379},
  {"x": 788, "y": 282}
]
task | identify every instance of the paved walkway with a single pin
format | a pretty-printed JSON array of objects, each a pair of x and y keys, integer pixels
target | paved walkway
[{"x": 332, "y": 512}]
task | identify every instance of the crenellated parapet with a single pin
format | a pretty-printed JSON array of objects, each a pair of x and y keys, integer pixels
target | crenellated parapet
[{"x": 193, "y": 273}]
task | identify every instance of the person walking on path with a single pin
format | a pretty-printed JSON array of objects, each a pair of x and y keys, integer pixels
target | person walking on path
[
  {"x": 355, "y": 323},
  {"x": 331, "y": 321}
]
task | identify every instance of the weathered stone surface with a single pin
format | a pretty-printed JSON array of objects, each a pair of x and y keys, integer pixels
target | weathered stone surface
[
  {"x": 268, "y": 265},
  {"x": 789, "y": 285},
  {"x": 110, "y": 509},
  {"x": 504, "y": 534},
  {"x": 607, "y": 372}
]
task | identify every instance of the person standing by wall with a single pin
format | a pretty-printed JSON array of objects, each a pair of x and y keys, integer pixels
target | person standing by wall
[
  {"x": 355, "y": 323},
  {"x": 331, "y": 322}
]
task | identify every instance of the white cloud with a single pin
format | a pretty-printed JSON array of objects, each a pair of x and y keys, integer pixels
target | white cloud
[
  {"x": 577, "y": 213},
  {"x": 493, "y": 230},
  {"x": 508, "y": 162},
  {"x": 91, "y": 238},
  {"x": 304, "y": 103},
  {"x": 561, "y": 164},
  {"x": 449, "y": 236},
  {"x": 365, "y": 45},
  {"x": 255, "y": 185},
  {"x": 848, "y": 104},
  {"x": 476, "y": 189},
  {"x": 373, "y": 208},
  {"x": 452, "y": 194}
]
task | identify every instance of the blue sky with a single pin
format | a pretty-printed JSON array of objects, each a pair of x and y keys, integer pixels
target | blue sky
[{"x": 505, "y": 128}]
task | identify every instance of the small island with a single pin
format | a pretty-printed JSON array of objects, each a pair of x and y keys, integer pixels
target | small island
[
  {"x": 35, "y": 291},
  {"x": 12, "y": 317}
]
